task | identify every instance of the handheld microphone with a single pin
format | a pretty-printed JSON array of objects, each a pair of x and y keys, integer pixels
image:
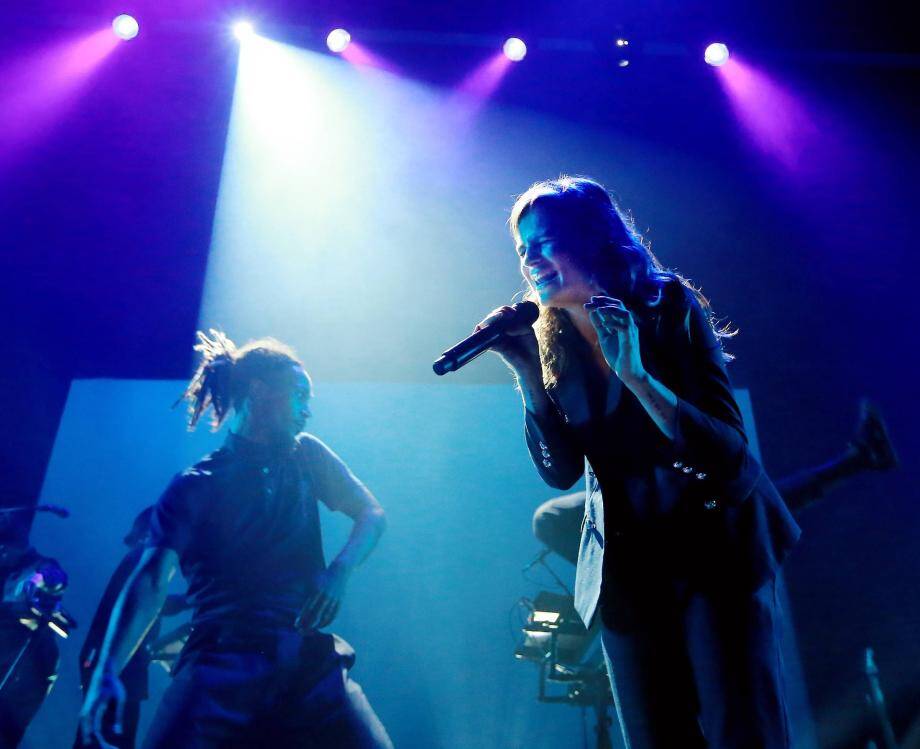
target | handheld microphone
[{"x": 524, "y": 313}]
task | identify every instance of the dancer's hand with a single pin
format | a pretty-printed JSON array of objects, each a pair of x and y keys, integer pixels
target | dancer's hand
[
  {"x": 323, "y": 605},
  {"x": 104, "y": 688},
  {"x": 618, "y": 335}
]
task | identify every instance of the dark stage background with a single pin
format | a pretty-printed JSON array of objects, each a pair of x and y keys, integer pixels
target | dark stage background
[{"x": 149, "y": 185}]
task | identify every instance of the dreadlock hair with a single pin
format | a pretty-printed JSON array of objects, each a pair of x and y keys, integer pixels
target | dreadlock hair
[
  {"x": 225, "y": 373},
  {"x": 616, "y": 255}
]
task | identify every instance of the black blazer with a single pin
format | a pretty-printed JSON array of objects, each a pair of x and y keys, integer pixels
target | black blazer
[{"x": 698, "y": 509}]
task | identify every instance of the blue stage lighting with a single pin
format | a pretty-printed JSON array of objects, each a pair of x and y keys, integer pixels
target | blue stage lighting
[
  {"x": 243, "y": 30},
  {"x": 125, "y": 27},
  {"x": 514, "y": 49},
  {"x": 338, "y": 40},
  {"x": 716, "y": 54}
]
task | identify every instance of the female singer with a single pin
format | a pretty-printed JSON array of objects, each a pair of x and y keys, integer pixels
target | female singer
[{"x": 623, "y": 380}]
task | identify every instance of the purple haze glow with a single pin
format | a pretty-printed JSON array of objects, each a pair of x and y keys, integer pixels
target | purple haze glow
[
  {"x": 485, "y": 79},
  {"x": 777, "y": 122},
  {"x": 360, "y": 56},
  {"x": 475, "y": 90},
  {"x": 36, "y": 89}
]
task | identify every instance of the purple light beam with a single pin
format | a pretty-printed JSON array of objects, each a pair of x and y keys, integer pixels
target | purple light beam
[
  {"x": 778, "y": 122},
  {"x": 360, "y": 56},
  {"x": 485, "y": 79},
  {"x": 36, "y": 90},
  {"x": 475, "y": 90}
]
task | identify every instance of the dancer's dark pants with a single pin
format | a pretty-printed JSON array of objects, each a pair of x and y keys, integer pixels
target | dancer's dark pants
[{"x": 276, "y": 689}]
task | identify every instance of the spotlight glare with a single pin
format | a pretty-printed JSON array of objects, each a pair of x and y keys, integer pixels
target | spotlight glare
[
  {"x": 338, "y": 40},
  {"x": 514, "y": 49},
  {"x": 624, "y": 63},
  {"x": 125, "y": 27},
  {"x": 716, "y": 54},
  {"x": 243, "y": 30},
  {"x": 622, "y": 42}
]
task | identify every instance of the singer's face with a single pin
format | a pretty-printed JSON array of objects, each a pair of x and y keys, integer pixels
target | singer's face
[
  {"x": 283, "y": 405},
  {"x": 549, "y": 248}
]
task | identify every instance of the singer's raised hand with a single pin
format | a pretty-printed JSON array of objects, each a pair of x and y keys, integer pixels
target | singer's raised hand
[
  {"x": 618, "y": 336},
  {"x": 518, "y": 347}
]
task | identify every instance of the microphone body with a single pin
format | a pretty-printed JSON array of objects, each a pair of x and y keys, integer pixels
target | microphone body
[{"x": 524, "y": 313}]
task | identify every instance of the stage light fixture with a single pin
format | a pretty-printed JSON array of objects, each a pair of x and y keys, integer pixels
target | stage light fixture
[
  {"x": 716, "y": 54},
  {"x": 125, "y": 27},
  {"x": 338, "y": 40},
  {"x": 621, "y": 42},
  {"x": 243, "y": 30},
  {"x": 514, "y": 49}
]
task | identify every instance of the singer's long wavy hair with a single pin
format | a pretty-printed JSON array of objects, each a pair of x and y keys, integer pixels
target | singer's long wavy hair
[
  {"x": 615, "y": 255},
  {"x": 221, "y": 381}
]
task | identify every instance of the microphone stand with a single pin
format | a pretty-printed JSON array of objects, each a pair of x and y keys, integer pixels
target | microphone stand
[
  {"x": 45, "y": 619},
  {"x": 19, "y": 656},
  {"x": 541, "y": 560},
  {"x": 555, "y": 577}
]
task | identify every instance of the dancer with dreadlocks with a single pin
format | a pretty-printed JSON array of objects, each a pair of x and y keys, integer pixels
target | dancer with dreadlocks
[{"x": 243, "y": 525}]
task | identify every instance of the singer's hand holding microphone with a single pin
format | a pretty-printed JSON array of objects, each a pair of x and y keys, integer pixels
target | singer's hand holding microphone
[
  {"x": 508, "y": 331},
  {"x": 518, "y": 346}
]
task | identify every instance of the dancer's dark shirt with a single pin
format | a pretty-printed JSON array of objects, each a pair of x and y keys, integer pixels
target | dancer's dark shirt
[{"x": 245, "y": 523}]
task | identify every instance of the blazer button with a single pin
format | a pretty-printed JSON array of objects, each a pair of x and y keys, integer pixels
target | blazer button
[
  {"x": 678, "y": 464},
  {"x": 687, "y": 469},
  {"x": 711, "y": 504},
  {"x": 701, "y": 476}
]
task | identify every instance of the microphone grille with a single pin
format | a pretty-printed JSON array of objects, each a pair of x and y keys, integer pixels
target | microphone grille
[{"x": 526, "y": 313}]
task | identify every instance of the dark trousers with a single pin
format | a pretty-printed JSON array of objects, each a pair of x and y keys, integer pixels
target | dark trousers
[
  {"x": 278, "y": 691},
  {"x": 699, "y": 670}
]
